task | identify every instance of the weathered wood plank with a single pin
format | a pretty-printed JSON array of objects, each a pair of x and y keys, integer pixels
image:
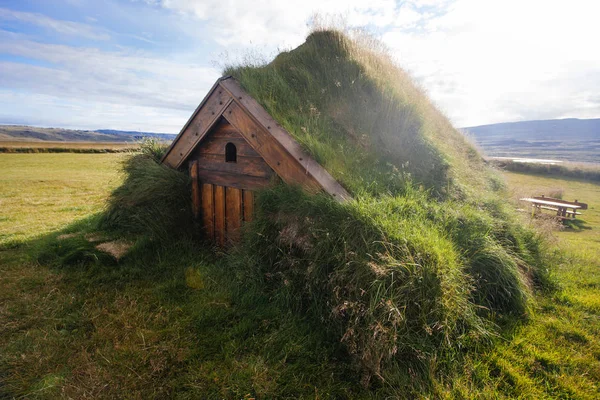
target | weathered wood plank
[
  {"x": 208, "y": 210},
  {"x": 216, "y": 145},
  {"x": 195, "y": 188},
  {"x": 252, "y": 166},
  {"x": 312, "y": 168},
  {"x": 225, "y": 130},
  {"x": 204, "y": 119},
  {"x": 233, "y": 213},
  {"x": 582, "y": 206},
  {"x": 233, "y": 180},
  {"x": 219, "y": 215},
  {"x": 290, "y": 170},
  {"x": 248, "y": 201}
]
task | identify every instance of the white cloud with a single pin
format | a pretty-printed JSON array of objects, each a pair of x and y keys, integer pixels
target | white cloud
[
  {"x": 56, "y": 111},
  {"x": 481, "y": 61},
  {"x": 60, "y": 26},
  {"x": 485, "y": 61},
  {"x": 273, "y": 22},
  {"x": 127, "y": 80}
]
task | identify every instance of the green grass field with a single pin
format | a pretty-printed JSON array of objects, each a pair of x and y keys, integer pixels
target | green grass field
[
  {"x": 556, "y": 354},
  {"x": 66, "y": 147},
  {"x": 156, "y": 327},
  {"x": 44, "y": 192}
]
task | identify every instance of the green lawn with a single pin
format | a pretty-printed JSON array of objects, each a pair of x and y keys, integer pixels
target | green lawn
[
  {"x": 44, "y": 192},
  {"x": 557, "y": 354},
  {"x": 159, "y": 328}
]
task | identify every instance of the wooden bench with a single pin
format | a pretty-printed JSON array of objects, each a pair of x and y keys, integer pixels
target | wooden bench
[
  {"x": 556, "y": 209},
  {"x": 564, "y": 209},
  {"x": 582, "y": 206}
]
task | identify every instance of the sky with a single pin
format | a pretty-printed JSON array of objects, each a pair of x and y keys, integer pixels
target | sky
[{"x": 145, "y": 65}]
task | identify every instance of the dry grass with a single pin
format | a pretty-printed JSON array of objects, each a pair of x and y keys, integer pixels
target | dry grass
[
  {"x": 66, "y": 147},
  {"x": 116, "y": 248},
  {"x": 42, "y": 192}
]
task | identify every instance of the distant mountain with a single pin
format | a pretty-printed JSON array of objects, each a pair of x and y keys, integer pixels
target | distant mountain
[
  {"x": 31, "y": 133},
  {"x": 136, "y": 134},
  {"x": 550, "y": 129},
  {"x": 571, "y": 139}
]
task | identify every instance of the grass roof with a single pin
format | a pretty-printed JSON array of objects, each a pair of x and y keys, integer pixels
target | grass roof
[{"x": 362, "y": 117}]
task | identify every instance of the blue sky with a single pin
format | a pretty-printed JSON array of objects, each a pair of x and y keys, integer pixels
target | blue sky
[{"x": 146, "y": 64}]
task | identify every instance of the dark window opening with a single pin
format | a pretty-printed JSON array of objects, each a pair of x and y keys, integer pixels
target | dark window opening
[{"x": 230, "y": 153}]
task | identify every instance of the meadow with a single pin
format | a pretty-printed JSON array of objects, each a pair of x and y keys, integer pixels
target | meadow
[
  {"x": 566, "y": 170},
  {"x": 7, "y": 146},
  {"x": 156, "y": 326}
]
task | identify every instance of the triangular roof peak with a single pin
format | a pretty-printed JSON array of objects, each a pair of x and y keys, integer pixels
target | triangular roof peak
[{"x": 271, "y": 141}]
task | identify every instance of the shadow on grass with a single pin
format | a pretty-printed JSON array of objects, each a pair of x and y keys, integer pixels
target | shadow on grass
[
  {"x": 576, "y": 225},
  {"x": 172, "y": 319},
  {"x": 167, "y": 319}
]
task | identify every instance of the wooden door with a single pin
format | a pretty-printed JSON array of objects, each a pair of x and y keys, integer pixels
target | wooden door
[
  {"x": 223, "y": 210},
  {"x": 225, "y": 171}
]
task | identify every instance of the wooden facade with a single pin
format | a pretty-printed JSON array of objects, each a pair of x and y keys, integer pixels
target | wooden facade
[{"x": 232, "y": 148}]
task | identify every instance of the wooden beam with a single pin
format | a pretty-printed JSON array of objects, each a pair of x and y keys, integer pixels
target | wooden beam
[
  {"x": 248, "y": 201},
  {"x": 201, "y": 122},
  {"x": 291, "y": 146},
  {"x": 251, "y": 166},
  {"x": 195, "y": 188},
  {"x": 274, "y": 154},
  {"x": 219, "y": 215},
  {"x": 233, "y": 213},
  {"x": 208, "y": 210},
  {"x": 233, "y": 180}
]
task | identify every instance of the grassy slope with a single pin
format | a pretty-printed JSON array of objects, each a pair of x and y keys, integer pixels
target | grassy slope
[
  {"x": 66, "y": 147},
  {"x": 363, "y": 118},
  {"x": 584, "y": 171},
  {"x": 141, "y": 330},
  {"x": 426, "y": 246},
  {"x": 557, "y": 354}
]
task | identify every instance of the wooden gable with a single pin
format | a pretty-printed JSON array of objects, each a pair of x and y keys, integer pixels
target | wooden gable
[
  {"x": 228, "y": 105},
  {"x": 249, "y": 171},
  {"x": 232, "y": 148}
]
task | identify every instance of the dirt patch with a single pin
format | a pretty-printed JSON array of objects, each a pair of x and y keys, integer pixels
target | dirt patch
[
  {"x": 66, "y": 236},
  {"x": 94, "y": 237},
  {"x": 116, "y": 248}
]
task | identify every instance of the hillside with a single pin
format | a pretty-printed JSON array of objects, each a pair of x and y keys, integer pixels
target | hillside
[
  {"x": 374, "y": 297},
  {"x": 571, "y": 139},
  {"x": 32, "y": 133},
  {"x": 362, "y": 117}
]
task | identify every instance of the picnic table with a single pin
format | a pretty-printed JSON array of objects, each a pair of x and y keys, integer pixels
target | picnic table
[{"x": 563, "y": 208}]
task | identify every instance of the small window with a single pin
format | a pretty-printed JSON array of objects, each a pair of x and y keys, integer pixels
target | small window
[{"x": 230, "y": 153}]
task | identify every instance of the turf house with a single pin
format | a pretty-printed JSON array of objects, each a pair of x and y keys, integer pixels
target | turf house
[
  {"x": 372, "y": 230},
  {"x": 233, "y": 147}
]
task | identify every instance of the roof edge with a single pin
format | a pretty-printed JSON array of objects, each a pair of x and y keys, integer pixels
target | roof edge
[
  {"x": 189, "y": 121},
  {"x": 269, "y": 124}
]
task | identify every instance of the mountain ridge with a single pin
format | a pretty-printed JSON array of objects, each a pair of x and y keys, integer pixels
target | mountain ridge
[
  {"x": 28, "y": 133},
  {"x": 568, "y": 139}
]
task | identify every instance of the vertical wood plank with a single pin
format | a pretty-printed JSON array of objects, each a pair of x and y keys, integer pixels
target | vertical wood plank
[
  {"x": 233, "y": 212},
  {"x": 195, "y": 188},
  {"x": 208, "y": 210},
  {"x": 220, "y": 215},
  {"x": 248, "y": 205}
]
